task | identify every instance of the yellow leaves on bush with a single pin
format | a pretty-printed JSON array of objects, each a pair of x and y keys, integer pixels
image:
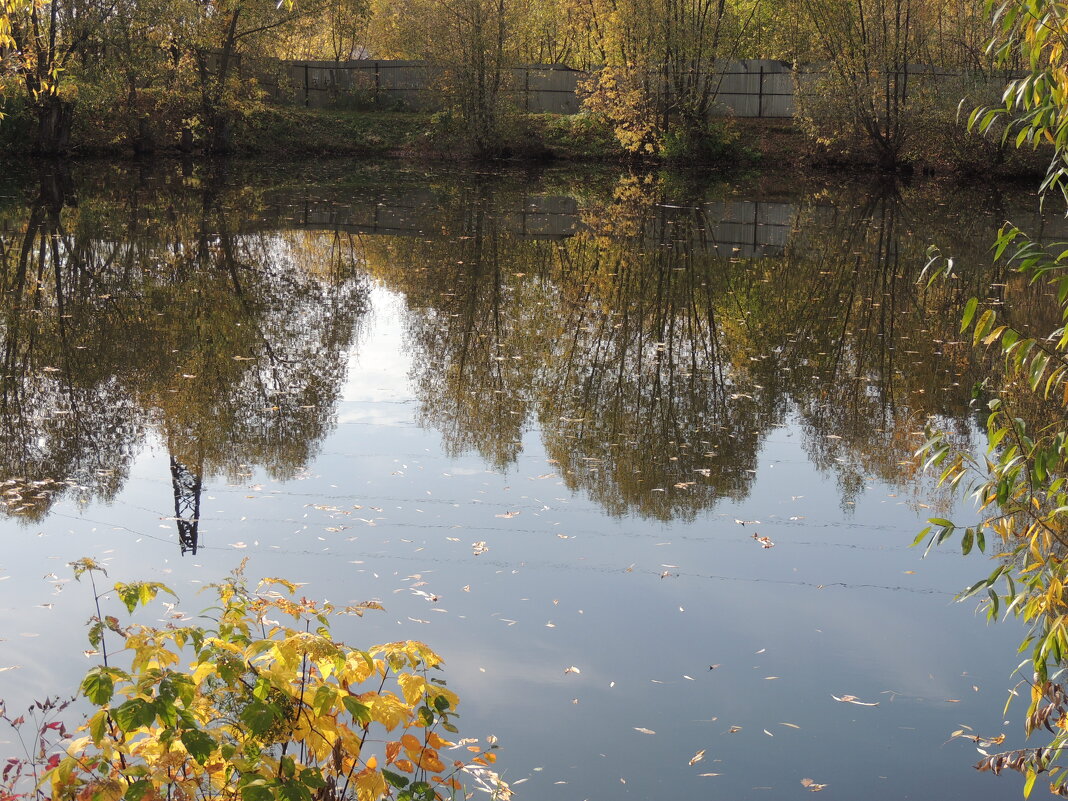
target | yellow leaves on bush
[
  {"x": 412, "y": 686},
  {"x": 415, "y": 653},
  {"x": 426, "y": 757},
  {"x": 392, "y": 751},
  {"x": 161, "y": 727},
  {"x": 434, "y": 692},
  {"x": 370, "y": 785},
  {"x": 387, "y": 709},
  {"x": 429, "y": 760},
  {"x": 357, "y": 668},
  {"x": 434, "y": 741}
]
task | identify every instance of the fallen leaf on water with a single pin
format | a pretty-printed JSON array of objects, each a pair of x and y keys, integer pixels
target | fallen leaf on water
[
  {"x": 707, "y": 774},
  {"x": 984, "y": 742},
  {"x": 768, "y": 733},
  {"x": 811, "y": 786},
  {"x": 765, "y": 542},
  {"x": 733, "y": 729},
  {"x": 643, "y": 730},
  {"x": 791, "y": 725},
  {"x": 571, "y": 669},
  {"x": 508, "y": 514},
  {"x": 852, "y": 699},
  {"x": 479, "y": 548},
  {"x": 697, "y": 757}
]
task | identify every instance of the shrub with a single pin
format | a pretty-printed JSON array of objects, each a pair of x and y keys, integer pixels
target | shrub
[{"x": 262, "y": 710}]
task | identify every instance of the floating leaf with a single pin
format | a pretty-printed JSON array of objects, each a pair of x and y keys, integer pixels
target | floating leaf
[{"x": 852, "y": 699}]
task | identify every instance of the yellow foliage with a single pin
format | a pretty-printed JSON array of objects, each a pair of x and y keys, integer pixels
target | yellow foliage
[
  {"x": 193, "y": 733},
  {"x": 412, "y": 686},
  {"x": 370, "y": 785}
]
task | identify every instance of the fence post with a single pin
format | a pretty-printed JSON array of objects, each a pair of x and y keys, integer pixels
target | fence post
[
  {"x": 378, "y": 84},
  {"x": 526, "y": 88},
  {"x": 760, "y": 94},
  {"x": 306, "y": 97}
]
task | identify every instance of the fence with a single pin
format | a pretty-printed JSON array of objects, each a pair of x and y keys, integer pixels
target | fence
[
  {"x": 743, "y": 88},
  {"x": 746, "y": 88},
  {"x": 405, "y": 84}
]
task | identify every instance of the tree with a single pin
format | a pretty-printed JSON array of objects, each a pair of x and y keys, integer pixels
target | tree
[
  {"x": 469, "y": 50},
  {"x": 1020, "y": 486},
  {"x": 658, "y": 74}
]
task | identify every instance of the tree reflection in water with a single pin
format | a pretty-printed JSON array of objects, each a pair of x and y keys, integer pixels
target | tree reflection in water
[
  {"x": 159, "y": 308},
  {"x": 657, "y": 347},
  {"x": 653, "y": 330}
]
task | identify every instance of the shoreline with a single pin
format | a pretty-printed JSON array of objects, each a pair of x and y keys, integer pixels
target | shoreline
[{"x": 778, "y": 146}]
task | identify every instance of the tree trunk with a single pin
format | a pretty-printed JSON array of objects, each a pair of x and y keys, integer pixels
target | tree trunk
[{"x": 54, "y": 117}]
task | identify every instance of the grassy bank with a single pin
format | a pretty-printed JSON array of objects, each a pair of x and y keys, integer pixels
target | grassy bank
[{"x": 773, "y": 144}]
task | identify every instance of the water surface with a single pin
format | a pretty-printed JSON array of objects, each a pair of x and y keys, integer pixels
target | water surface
[{"x": 550, "y": 421}]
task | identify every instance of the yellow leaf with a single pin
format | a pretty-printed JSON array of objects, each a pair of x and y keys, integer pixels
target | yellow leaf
[
  {"x": 387, "y": 709},
  {"x": 429, "y": 760},
  {"x": 413, "y": 687},
  {"x": 370, "y": 785}
]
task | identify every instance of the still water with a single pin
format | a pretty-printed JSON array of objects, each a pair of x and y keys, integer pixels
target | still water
[{"x": 634, "y": 453}]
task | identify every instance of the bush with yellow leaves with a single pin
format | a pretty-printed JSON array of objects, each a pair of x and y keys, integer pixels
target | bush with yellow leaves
[{"x": 247, "y": 708}]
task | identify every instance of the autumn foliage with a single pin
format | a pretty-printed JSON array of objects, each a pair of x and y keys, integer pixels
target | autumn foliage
[{"x": 248, "y": 707}]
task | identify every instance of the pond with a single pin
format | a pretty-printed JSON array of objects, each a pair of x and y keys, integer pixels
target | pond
[{"x": 633, "y": 452}]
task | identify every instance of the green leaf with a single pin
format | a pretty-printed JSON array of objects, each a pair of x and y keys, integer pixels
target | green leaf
[
  {"x": 395, "y": 779},
  {"x": 98, "y": 724},
  {"x": 199, "y": 745},
  {"x": 310, "y": 777},
  {"x": 986, "y": 320},
  {"x": 257, "y": 792},
  {"x": 969, "y": 313},
  {"x": 294, "y": 791},
  {"x": 967, "y": 541},
  {"x": 258, "y": 716},
  {"x": 137, "y": 790},
  {"x": 360, "y": 712},
  {"x": 426, "y": 714},
  {"x": 287, "y": 767},
  {"x": 1030, "y": 783},
  {"x": 98, "y": 687},
  {"x": 134, "y": 714},
  {"x": 325, "y": 698}
]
